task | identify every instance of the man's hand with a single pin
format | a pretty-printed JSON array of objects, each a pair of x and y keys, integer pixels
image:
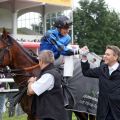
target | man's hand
[
  {"x": 30, "y": 82},
  {"x": 84, "y": 51},
  {"x": 84, "y": 58},
  {"x": 32, "y": 79}
]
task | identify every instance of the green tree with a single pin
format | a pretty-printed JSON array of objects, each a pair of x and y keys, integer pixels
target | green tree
[
  {"x": 38, "y": 28},
  {"x": 95, "y": 25}
]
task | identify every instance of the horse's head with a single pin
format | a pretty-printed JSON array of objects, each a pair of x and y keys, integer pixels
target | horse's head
[
  {"x": 13, "y": 54},
  {"x": 5, "y": 46}
]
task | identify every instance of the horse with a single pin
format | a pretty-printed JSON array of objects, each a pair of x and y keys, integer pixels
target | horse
[{"x": 22, "y": 67}]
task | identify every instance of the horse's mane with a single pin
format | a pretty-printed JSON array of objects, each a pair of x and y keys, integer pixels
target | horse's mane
[{"x": 23, "y": 49}]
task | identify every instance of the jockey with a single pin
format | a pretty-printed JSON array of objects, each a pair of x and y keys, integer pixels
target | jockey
[{"x": 57, "y": 39}]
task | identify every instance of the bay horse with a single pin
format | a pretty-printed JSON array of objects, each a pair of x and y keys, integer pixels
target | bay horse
[{"x": 22, "y": 66}]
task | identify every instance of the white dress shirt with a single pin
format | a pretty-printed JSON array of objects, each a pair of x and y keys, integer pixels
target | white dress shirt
[
  {"x": 46, "y": 82},
  {"x": 113, "y": 68}
]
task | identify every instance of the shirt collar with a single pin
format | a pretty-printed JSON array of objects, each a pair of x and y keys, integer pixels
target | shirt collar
[{"x": 114, "y": 67}]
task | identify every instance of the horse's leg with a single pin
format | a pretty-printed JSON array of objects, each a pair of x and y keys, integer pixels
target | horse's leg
[
  {"x": 30, "y": 117},
  {"x": 92, "y": 117},
  {"x": 81, "y": 115}
]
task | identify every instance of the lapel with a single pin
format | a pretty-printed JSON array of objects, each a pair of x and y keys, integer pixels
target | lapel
[
  {"x": 118, "y": 67},
  {"x": 106, "y": 71}
]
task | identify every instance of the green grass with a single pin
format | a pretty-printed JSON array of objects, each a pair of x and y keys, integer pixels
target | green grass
[
  {"x": 22, "y": 117},
  {"x": 73, "y": 117}
]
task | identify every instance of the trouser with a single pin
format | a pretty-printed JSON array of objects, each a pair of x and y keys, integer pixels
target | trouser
[{"x": 109, "y": 116}]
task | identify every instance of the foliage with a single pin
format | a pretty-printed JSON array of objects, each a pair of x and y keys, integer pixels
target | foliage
[
  {"x": 38, "y": 28},
  {"x": 95, "y": 25}
]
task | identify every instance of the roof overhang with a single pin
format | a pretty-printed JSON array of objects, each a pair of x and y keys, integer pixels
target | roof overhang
[{"x": 17, "y": 5}]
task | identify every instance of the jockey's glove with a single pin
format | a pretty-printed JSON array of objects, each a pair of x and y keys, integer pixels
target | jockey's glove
[{"x": 70, "y": 52}]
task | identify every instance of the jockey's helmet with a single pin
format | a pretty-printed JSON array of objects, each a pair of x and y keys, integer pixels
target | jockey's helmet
[{"x": 63, "y": 22}]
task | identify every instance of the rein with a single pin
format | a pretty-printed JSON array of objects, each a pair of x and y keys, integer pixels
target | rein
[
  {"x": 30, "y": 68},
  {"x": 12, "y": 71}
]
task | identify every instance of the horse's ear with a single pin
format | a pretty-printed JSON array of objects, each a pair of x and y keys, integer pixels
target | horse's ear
[{"x": 4, "y": 35}]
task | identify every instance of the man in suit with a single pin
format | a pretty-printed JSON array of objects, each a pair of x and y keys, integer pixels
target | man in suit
[{"x": 109, "y": 83}]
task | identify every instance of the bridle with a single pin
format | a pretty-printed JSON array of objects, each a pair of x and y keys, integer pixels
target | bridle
[{"x": 5, "y": 50}]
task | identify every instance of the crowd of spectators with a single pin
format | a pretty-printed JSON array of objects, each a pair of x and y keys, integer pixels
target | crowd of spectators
[{"x": 25, "y": 40}]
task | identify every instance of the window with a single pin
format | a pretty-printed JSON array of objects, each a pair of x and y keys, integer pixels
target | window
[{"x": 30, "y": 23}]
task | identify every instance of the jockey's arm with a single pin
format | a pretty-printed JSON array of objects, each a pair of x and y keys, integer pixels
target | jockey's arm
[
  {"x": 62, "y": 48},
  {"x": 61, "y": 43}
]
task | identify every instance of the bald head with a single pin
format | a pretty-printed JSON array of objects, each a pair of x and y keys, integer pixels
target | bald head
[{"x": 46, "y": 56}]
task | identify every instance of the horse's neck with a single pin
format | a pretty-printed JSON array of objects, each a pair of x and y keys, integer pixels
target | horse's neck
[
  {"x": 26, "y": 66},
  {"x": 21, "y": 59},
  {"x": 21, "y": 80}
]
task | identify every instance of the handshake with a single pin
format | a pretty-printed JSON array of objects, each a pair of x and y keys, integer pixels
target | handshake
[{"x": 75, "y": 51}]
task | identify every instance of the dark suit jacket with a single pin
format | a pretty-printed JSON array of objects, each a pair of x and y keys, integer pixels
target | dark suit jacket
[{"x": 109, "y": 89}]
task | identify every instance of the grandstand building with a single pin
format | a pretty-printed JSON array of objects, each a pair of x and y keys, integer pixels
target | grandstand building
[{"x": 29, "y": 19}]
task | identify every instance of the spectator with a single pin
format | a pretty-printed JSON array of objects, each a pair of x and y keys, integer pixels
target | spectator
[
  {"x": 48, "y": 98},
  {"x": 109, "y": 83}
]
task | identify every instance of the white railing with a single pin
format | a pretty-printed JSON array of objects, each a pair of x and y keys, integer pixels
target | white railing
[{"x": 6, "y": 80}]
